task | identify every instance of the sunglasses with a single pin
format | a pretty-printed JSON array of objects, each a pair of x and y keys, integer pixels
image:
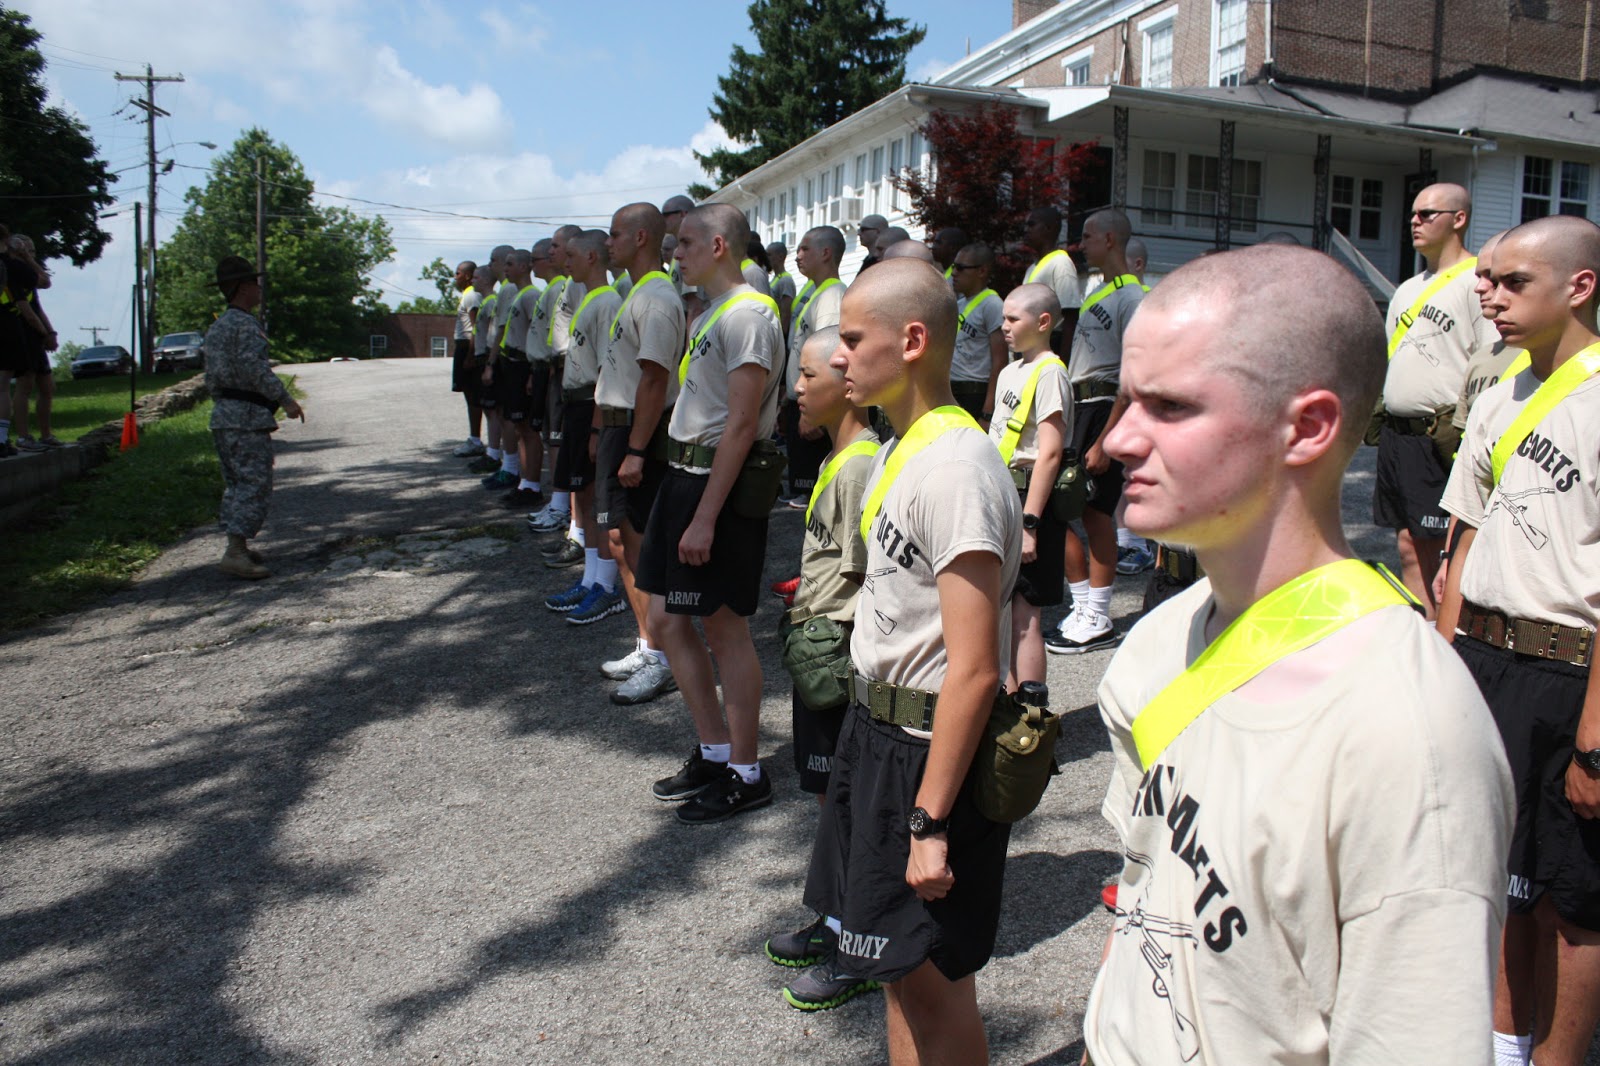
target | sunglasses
[
  {"x": 1428, "y": 214},
  {"x": 964, "y": 266}
]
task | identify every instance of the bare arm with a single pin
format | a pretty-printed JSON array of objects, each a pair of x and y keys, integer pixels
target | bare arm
[
  {"x": 744, "y": 404},
  {"x": 1095, "y": 460},
  {"x": 649, "y": 403},
  {"x": 1449, "y": 612}
]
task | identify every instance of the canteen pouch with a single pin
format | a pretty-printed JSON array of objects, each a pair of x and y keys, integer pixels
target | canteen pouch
[
  {"x": 760, "y": 480},
  {"x": 1444, "y": 434},
  {"x": 1070, "y": 494},
  {"x": 1015, "y": 760},
  {"x": 1374, "y": 426},
  {"x": 817, "y": 655}
]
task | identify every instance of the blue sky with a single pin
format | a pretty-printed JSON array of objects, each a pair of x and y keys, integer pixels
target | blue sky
[{"x": 513, "y": 109}]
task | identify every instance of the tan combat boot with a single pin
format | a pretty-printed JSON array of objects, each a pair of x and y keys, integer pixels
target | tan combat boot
[{"x": 236, "y": 561}]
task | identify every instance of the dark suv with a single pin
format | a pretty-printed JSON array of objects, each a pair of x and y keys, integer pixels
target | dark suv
[
  {"x": 102, "y": 359},
  {"x": 180, "y": 351}
]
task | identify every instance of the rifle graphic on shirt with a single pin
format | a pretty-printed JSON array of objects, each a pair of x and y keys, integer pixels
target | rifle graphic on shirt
[
  {"x": 1517, "y": 511},
  {"x": 1157, "y": 933}
]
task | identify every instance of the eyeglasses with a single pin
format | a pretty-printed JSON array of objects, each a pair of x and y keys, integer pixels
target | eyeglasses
[
  {"x": 964, "y": 266},
  {"x": 1428, "y": 214}
]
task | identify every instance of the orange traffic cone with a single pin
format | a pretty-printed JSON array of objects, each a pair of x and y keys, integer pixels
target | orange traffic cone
[{"x": 130, "y": 431}]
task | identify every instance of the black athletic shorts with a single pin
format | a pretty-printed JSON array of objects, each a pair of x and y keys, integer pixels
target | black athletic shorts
[
  {"x": 1089, "y": 417},
  {"x": 816, "y": 735},
  {"x": 574, "y": 468},
  {"x": 732, "y": 577},
  {"x": 970, "y": 396},
  {"x": 511, "y": 390},
  {"x": 555, "y": 407},
  {"x": 1536, "y": 703},
  {"x": 858, "y": 864},
  {"x": 539, "y": 393},
  {"x": 13, "y": 346},
  {"x": 1410, "y": 483},
  {"x": 1042, "y": 581},
  {"x": 460, "y": 365},
  {"x": 488, "y": 394},
  {"x": 614, "y": 501},
  {"x": 805, "y": 456}
]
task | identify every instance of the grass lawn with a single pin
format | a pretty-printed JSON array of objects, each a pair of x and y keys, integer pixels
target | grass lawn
[
  {"x": 84, "y": 405},
  {"x": 95, "y": 535}
]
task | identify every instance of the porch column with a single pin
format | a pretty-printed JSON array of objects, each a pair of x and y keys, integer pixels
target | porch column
[
  {"x": 1224, "y": 230},
  {"x": 1119, "y": 157},
  {"x": 1319, "y": 205}
]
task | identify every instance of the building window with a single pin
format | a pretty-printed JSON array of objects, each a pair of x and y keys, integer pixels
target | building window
[
  {"x": 861, "y": 172},
  {"x": 1157, "y": 72},
  {"x": 377, "y": 345},
  {"x": 1160, "y": 193},
  {"x": 438, "y": 347},
  {"x": 875, "y": 178},
  {"x": 1227, "y": 41},
  {"x": 1554, "y": 186},
  {"x": 914, "y": 157},
  {"x": 1200, "y": 201},
  {"x": 1356, "y": 216},
  {"x": 1075, "y": 67}
]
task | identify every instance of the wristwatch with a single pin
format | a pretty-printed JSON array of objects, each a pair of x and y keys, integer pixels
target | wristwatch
[
  {"x": 922, "y": 824},
  {"x": 1589, "y": 760},
  {"x": 1030, "y": 522}
]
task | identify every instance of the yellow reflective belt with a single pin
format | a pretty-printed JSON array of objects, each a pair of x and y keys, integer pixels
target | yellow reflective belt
[
  {"x": 829, "y": 469},
  {"x": 1409, "y": 315},
  {"x": 694, "y": 342},
  {"x": 1293, "y": 616},
  {"x": 1033, "y": 275},
  {"x": 962, "y": 311},
  {"x": 1110, "y": 287},
  {"x": 616, "y": 320},
  {"x": 591, "y": 294},
  {"x": 1019, "y": 418},
  {"x": 1568, "y": 376},
  {"x": 560, "y": 294},
  {"x": 809, "y": 296},
  {"x": 507, "y": 333},
  {"x": 923, "y": 432}
]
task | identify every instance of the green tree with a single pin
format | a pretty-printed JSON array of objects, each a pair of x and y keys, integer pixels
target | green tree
[
  {"x": 53, "y": 184},
  {"x": 444, "y": 279},
  {"x": 320, "y": 297},
  {"x": 820, "y": 61}
]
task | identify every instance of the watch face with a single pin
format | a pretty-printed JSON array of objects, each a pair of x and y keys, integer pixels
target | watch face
[
  {"x": 1588, "y": 759},
  {"x": 918, "y": 821}
]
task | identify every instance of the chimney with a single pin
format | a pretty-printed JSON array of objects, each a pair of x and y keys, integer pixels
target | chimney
[{"x": 1026, "y": 10}]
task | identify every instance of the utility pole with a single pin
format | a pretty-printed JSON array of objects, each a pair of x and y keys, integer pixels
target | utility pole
[
  {"x": 148, "y": 104},
  {"x": 96, "y": 330},
  {"x": 261, "y": 233}
]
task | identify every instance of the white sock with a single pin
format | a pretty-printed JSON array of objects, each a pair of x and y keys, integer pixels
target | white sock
[
  {"x": 494, "y": 453},
  {"x": 591, "y": 562},
  {"x": 655, "y": 653},
  {"x": 1127, "y": 538},
  {"x": 833, "y": 923},
  {"x": 749, "y": 773},
  {"x": 532, "y": 486},
  {"x": 575, "y": 531},
  {"x": 510, "y": 463},
  {"x": 561, "y": 501},
  {"x": 1100, "y": 600},
  {"x": 1512, "y": 1050},
  {"x": 475, "y": 441},
  {"x": 1080, "y": 593},
  {"x": 605, "y": 572},
  {"x": 716, "y": 752}
]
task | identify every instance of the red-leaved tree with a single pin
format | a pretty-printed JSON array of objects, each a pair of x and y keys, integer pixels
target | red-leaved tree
[{"x": 986, "y": 177}]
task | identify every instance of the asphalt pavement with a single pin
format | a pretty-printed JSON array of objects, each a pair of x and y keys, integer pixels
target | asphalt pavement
[{"x": 379, "y": 809}]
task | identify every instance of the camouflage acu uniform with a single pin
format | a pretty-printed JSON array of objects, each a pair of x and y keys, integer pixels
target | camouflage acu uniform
[{"x": 236, "y": 358}]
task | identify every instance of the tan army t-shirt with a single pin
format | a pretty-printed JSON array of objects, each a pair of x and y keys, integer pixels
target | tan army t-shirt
[
  {"x": 748, "y": 333},
  {"x": 975, "y": 324},
  {"x": 560, "y": 331},
  {"x": 523, "y": 309},
  {"x": 1429, "y": 366},
  {"x": 1050, "y": 397},
  {"x": 833, "y": 558},
  {"x": 818, "y": 308},
  {"x": 648, "y": 327},
  {"x": 1483, "y": 372},
  {"x": 467, "y": 312},
  {"x": 1314, "y": 871},
  {"x": 1097, "y": 343},
  {"x": 480, "y": 339},
  {"x": 505, "y": 299},
  {"x": 590, "y": 327},
  {"x": 1537, "y": 551},
  {"x": 1057, "y": 270}
]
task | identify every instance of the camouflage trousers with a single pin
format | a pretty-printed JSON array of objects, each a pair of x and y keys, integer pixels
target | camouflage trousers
[{"x": 246, "y": 456}]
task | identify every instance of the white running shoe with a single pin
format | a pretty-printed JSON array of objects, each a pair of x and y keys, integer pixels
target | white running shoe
[
  {"x": 467, "y": 449},
  {"x": 625, "y": 667},
  {"x": 1090, "y": 631},
  {"x": 648, "y": 682},
  {"x": 550, "y": 519}
]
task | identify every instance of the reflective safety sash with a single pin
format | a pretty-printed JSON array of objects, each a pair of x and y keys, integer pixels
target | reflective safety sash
[
  {"x": 779, "y": 277},
  {"x": 1038, "y": 268},
  {"x": 832, "y": 467},
  {"x": 746, "y": 264},
  {"x": 616, "y": 320},
  {"x": 949, "y": 272},
  {"x": 1293, "y": 616},
  {"x": 808, "y": 296},
  {"x": 1568, "y": 376},
  {"x": 591, "y": 294},
  {"x": 1110, "y": 287},
  {"x": 1019, "y": 418},
  {"x": 507, "y": 333},
  {"x": 923, "y": 432},
  {"x": 694, "y": 342},
  {"x": 558, "y": 285},
  {"x": 964, "y": 309},
  {"x": 1409, "y": 316}
]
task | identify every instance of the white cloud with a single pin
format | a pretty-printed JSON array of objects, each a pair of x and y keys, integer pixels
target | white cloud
[{"x": 520, "y": 33}]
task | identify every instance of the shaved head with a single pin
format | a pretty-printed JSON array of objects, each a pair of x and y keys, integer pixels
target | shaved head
[
  {"x": 1113, "y": 223},
  {"x": 519, "y": 258},
  {"x": 467, "y": 265},
  {"x": 1334, "y": 342},
  {"x": 677, "y": 204},
  {"x": 827, "y": 238},
  {"x": 725, "y": 221},
  {"x": 888, "y": 239},
  {"x": 1447, "y": 196},
  {"x": 500, "y": 252},
  {"x": 1568, "y": 243},
  {"x": 646, "y": 217},
  {"x": 902, "y": 291},
  {"x": 1138, "y": 255},
  {"x": 909, "y": 249},
  {"x": 820, "y": 347},
  {"x": 590, "y": 240},
  {"x": 1035, "y": 299},
  {"x": 542, "y": 246}
]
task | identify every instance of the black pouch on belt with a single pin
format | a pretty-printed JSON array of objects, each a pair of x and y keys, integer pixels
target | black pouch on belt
[{"x": 760, "y": 480}]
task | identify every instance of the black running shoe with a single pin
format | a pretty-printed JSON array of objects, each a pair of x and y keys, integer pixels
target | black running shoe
[
  {"x": 824, "y": 987},
  {"x": 723, "y": 799},
  {"x": 697, "y": 774},
  {"x": 803, "y": 947}
]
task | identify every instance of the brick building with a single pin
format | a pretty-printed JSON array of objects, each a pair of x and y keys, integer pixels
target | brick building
[
  {"x": 1229, "y": 119},
  {"x": 412, "y": 336}
]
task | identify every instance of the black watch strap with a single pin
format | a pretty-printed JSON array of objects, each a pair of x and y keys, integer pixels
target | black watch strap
[
  {"x": 922, "y": 824},
  {"x": 1589, "y": 760},
  {"x": 639, "y": 452}
]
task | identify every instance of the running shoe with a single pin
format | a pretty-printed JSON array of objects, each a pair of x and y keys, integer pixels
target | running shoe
[
  {"x": 786, "y": 588},
  {"x": 625, "y": 667},
  {"x": 500, "y": 479},
  {"x": 562, "y": 602},
  {"x": 483, "y": 465},
  {"x": 467, "y": 449},
  {"x": 825, "y": 986},
  {"x": 697, "y": 775},
  {"x": 519, "y": 498},
  {"x": 649, "y": 681},
  {"x": 601, "y": 602},
  {"x": 1108, "y": 896},
  {"x": 1090, "y": 631},
  {"x": 723, "y": 799},
  {"x": 551, "y": 519},
  {"x": 1134, "y": 560},
  {"x": 571, "y": 554},
  {"x": 803, "y": 947}
]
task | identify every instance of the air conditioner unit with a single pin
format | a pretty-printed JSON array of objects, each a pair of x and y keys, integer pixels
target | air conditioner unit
[{"x": 850, "y": 212}]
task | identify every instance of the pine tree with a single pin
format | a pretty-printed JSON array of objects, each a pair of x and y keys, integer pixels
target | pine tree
[{"x": 820, "y": 61}]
